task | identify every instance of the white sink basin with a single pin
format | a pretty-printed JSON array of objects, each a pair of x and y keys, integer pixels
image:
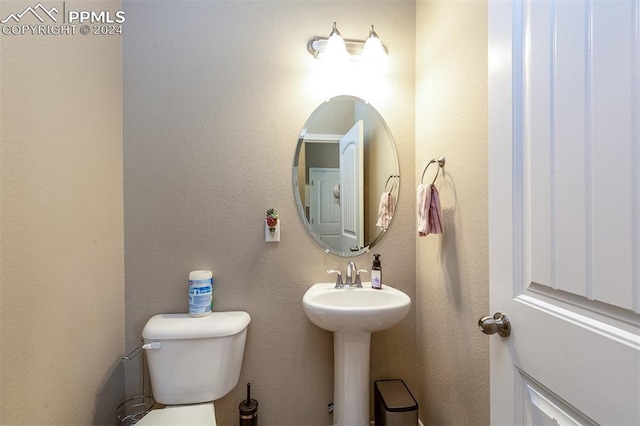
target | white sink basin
[
  {"x": 355, "y": 309},
  {"x": 353, "y": 314}
]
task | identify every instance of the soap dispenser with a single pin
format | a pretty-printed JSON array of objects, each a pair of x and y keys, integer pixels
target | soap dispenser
[{"x": 376, "y": 273}]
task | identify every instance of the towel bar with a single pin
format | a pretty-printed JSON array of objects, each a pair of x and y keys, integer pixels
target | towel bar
[
  {"x": 440, "y": 161},
  {"x": 393, "y": 183}
]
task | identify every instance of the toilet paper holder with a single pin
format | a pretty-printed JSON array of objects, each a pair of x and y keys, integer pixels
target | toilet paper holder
[{"x": 131, "y": 410}]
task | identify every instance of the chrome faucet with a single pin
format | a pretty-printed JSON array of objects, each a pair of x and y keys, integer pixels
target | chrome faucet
[
  {"x": 352, "y": 281},
  {"x": 351, "y": 268}
]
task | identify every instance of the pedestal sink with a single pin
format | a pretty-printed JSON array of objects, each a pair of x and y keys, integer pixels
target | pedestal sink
[{"x": 353, "y": 314}]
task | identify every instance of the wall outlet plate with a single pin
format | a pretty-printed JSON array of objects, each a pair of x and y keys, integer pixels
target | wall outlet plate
[{"x": 272, "y": 237}]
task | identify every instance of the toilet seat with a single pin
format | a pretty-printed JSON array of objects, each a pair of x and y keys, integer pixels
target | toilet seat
[{"x": 198, "y": 414}]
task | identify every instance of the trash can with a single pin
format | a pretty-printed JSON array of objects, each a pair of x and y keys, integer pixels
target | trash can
[{"x": 394, "y": 404}]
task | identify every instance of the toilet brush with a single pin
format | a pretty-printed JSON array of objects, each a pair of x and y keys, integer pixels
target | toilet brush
[{"x": 248, "y": 410}]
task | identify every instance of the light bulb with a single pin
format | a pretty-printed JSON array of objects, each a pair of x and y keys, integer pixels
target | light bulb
[
  {"x": 373, "y": 49},
  {"x": 336, "y": 49}
]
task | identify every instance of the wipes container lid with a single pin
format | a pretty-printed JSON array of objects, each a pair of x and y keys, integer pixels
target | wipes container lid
[
  {"x": 200, "y": 275},
  {"x": 182, "y": 326}
]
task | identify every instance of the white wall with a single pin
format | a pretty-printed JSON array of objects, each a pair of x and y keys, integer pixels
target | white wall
[
  {"x": 215, "y": 95},
  {"x": 452, "y": 269},
  {"x": 62, "y": 264}
]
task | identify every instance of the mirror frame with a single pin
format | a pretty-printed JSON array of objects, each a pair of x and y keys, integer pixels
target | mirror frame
[{"x": 296, "y": 190}]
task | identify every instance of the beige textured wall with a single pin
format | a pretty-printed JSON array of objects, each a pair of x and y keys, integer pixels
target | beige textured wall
[
  {"x": 211, "y": 125},
  {"x": 61, "y": 270},
  {"x": 215, "y": 95},
  {"x": 452, "y": 269}
]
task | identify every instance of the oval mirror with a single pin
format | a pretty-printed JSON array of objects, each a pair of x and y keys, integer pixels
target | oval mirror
[{"x": 346, "y": 176}]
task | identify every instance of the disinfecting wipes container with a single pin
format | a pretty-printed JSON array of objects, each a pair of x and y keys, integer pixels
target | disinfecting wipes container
[{"x": 200, "y": 293}]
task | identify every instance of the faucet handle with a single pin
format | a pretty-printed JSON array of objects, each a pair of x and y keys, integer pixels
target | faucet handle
[
  {"x": 339, "y": 283},
  {"x": 358, "y": 280}
]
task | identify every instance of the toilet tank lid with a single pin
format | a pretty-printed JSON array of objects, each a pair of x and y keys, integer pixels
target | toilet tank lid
[{"x": 182, "y": 326}]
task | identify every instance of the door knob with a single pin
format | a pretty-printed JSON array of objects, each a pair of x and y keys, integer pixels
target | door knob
[{"x": 499, "y": 323}]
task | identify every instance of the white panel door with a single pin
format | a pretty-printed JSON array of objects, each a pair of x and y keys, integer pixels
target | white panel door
[
  {"x": 352, "y": 188},
  {"x": 564, "y": 211},
  {"x": 325, "y": 213}
]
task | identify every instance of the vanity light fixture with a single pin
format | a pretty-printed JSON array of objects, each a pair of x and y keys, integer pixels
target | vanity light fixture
[{"x": 337, "y": 47}]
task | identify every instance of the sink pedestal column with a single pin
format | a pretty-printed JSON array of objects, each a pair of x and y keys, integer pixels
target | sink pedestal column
[{"x": 351, "y": 378}]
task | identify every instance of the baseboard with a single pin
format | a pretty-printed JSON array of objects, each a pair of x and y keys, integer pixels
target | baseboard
[{"x": 419, "y": 423}]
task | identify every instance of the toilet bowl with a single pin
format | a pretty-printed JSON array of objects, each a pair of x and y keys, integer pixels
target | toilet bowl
[
  {"x": 192, "y": 415},
  {"x": 192, "y": 362}
]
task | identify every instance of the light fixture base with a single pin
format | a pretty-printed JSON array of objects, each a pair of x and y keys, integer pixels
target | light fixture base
[{"x": 317, "y": 47}]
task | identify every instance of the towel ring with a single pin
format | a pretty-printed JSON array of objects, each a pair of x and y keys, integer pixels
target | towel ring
[
  {"x": 393, "y": 183},
  {"x": 440, "y": 161}
]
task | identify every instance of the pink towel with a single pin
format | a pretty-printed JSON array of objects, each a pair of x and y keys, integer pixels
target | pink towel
[
  {"x": 429, "y": 211},
  {"x": 386, "y": 210}
]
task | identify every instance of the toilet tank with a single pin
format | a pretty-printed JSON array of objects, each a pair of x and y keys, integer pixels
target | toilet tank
[{"x": 194, "y": 360}]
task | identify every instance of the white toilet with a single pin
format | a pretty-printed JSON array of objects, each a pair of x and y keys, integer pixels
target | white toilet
[{"x": 192, "y": 362}]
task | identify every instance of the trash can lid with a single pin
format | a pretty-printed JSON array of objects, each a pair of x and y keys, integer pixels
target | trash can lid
[{"x": 396, "y": 396}]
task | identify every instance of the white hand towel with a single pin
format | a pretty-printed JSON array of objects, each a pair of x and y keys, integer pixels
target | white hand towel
[
  {"x": 386, "y": 210},
  {"x": 423, "y": 200},
  {"x": 429, "y": 211}
]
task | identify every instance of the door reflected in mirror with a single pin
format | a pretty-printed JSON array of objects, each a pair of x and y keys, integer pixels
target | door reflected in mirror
[{"x": 346, "y": 176}]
